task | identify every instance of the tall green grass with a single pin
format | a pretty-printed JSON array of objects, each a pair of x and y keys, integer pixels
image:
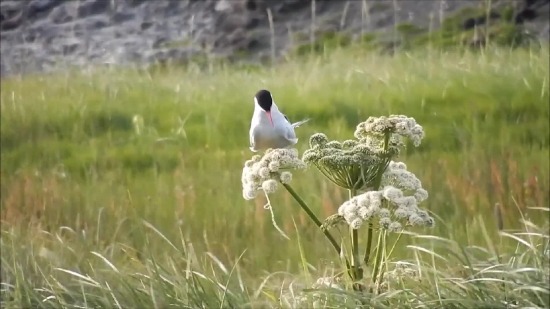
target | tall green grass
[{"x": 120, "y": 188}]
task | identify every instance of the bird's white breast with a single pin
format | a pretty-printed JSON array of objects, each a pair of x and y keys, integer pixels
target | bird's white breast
[{"x": 264, "y": 135}]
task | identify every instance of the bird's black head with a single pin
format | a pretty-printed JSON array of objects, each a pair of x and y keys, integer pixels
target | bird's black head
[{"x": 264, "y": 99}]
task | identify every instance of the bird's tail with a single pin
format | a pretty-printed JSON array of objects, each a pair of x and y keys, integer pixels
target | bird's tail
[{"x": 299, "y": 123}]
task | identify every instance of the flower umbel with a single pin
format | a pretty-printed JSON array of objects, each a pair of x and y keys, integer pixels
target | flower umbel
[
  {"x": 398, "y": 125},
  {"x": 395, "y": 205},
  {"x": 350, "y": 164},
  {"x": 388, "y": 212},
  {"x": 357, "y": 164},
  {"x": 263, "y": 173}
]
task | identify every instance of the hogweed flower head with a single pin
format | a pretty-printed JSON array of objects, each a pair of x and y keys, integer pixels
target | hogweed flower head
[
  {"x": 403, "y": 271},
  {"x": 328, "y": 282},
  {"x": 396, "y": 175},
  {"x": 392, "y": 207},
  {"x": 357, "y": 164},
  {"x": 349, "y": 164},
  {"x": 399, "y": 126},
  {"x": 285, "y": 177},
  {"x": 269, "y": 186},
  {"x": 263, "y": 173}
]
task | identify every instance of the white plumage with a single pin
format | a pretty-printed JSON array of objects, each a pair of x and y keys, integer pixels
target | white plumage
[{"x": 269, "y": 127}]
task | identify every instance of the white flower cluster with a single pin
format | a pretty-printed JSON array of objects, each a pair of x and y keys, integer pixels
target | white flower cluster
[
  {"x": 402, "y": 271},
  {"x": 263, "y": 173},
  {"x": 349, "y": 164},
  {"x": 314, "y": 300},
  {"x": 396, "y": 175},
  {"x": 328, "y": 282},
  {"x": 396, "y": 204},
  {"x": 398, "y": 124}
]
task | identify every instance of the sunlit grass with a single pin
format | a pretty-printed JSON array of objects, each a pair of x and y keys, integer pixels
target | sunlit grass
[{"x": 84, "y": 191}]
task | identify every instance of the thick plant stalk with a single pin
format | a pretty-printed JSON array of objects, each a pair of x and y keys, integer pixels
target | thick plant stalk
[
  {"x": 377, "y": 182},
  {"x": 357, "y": 273},
  {"x": 312, "y": 216},
  {"x": 370, "y": 234},
  {"x": 378, "y": 258}
]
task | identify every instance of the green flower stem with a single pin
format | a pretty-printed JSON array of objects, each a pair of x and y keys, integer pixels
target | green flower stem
[
  {"x": 312, "y": 217},
  {"x": 355, "y": 264},
  {"x": 355, "y": 253},
  {"x": 376, "y": 186},
  {"x": 395, "y": 243},
  {"x": 382, "y": 166},
  {"x": 370, "y": 234},
  {"x": 384, "y": 260},
  {"x": 378, "y": 258}
]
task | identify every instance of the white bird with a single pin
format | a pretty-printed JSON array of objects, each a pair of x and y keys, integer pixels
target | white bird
[{"x": 269, "y": 127}]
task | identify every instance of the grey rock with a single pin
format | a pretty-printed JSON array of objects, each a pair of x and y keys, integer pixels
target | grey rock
[
  {"x": 12, "y": 22},
  {"x": 13, "y": 5},
  {"x": 93, "y": 7},
  {"x": 122, "y": 16},
  {"x": 96, "y": 22},
  {"x": 63, "y": 14},
  {"x": 44, "y": 35},
  {"x": 37, "y": 7},
  {"x": 146, "y": 25},
  {"x": 42, "y": 31}
]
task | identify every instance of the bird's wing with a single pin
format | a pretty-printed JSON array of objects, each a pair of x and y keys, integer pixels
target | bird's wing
[
  {"x": 252, "y": 144},
  {"x": 290, "y": 135},
  {"x": 286, "y": 118},
  {"x": 299, "y": 123}
]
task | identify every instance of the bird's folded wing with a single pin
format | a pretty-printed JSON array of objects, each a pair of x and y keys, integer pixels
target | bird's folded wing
[
  {"x": 290, "y": 135},
  {"x": 287, "y": 120},
  {"x": 252, "y": 144}
]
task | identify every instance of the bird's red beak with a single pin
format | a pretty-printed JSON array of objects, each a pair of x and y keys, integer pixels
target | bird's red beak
[{"x": 270, "y": 119}]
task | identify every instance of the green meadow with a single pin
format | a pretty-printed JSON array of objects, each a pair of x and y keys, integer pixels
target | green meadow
[{"x": 120, "y": 188}]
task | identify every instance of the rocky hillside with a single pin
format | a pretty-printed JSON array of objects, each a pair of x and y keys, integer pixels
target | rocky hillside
[{"x": 43, "y": 35}]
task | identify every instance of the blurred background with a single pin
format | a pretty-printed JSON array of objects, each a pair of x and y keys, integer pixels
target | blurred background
[
  {"x": 124, "y": 130},
  {"x": 42, "y": 35}
]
